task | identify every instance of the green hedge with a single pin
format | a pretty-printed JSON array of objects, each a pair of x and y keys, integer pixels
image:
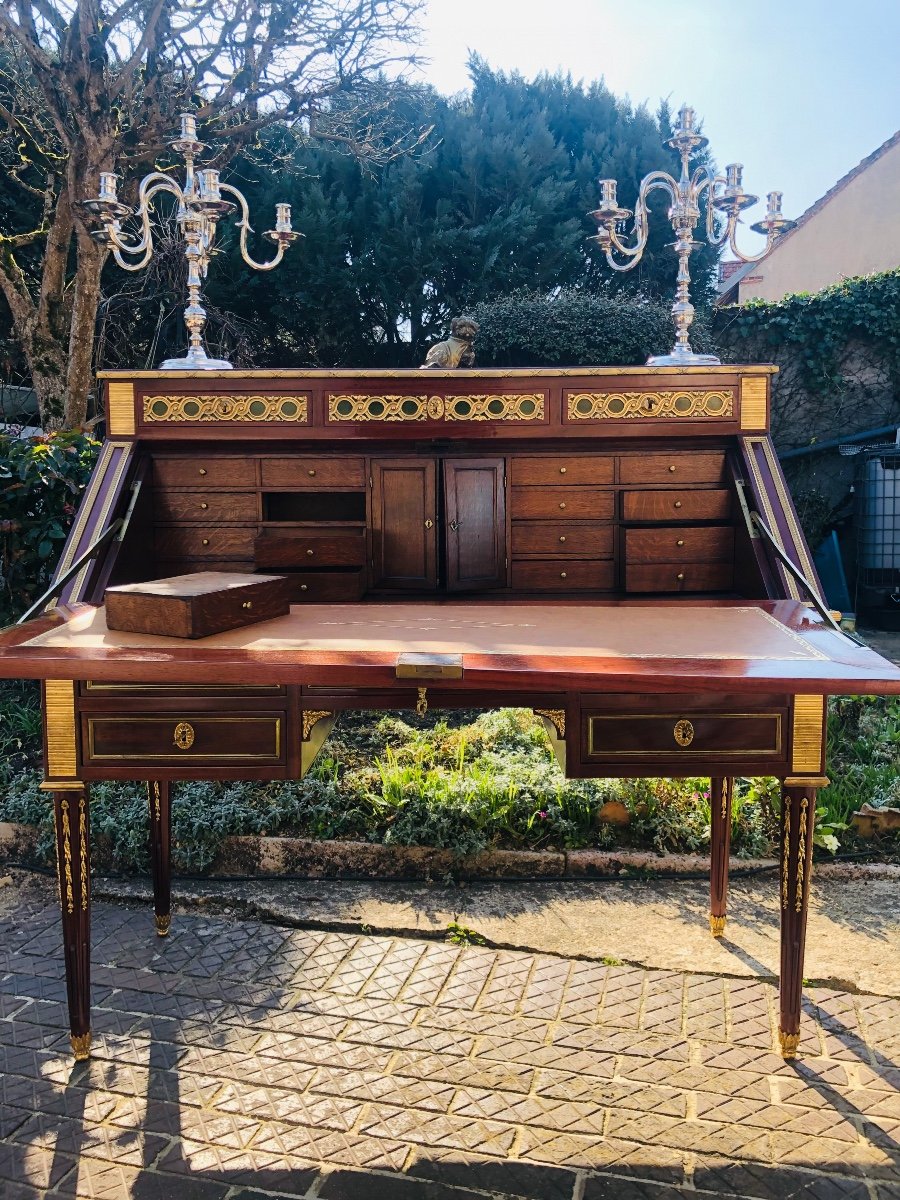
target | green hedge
[{"x": 41, "y": 483}]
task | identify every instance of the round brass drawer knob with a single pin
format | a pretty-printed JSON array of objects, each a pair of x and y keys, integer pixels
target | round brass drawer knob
[
  {"x": 562, "y": 575},
  {"x": 680, "y": 575},
  {"x": 562, "y": 470},
  {"x": 310, "y": 552},
  {"x": 206, "y": 541},
  {"x": 310, "y": 472},
  {"x": 671, "y": 466},
  {"x": 562, "y": 504},
  {"x": 203, "y": 504},
  {"x": 203, "y": 470},
  {"x": 183, "y": 736},
  {"x": 247, "y": 604},
  {"x": 562, "y": 537},
  {"x": 680, "y": 542},
  {"x": 303, "y": 587},
  {"x": 678, "y": 504}
]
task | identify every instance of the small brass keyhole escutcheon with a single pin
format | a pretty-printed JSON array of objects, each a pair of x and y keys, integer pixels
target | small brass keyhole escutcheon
[
  {"x": 429, "y": 524},
  {"x": 683, "y": 732},
  {"x": 184, "y": 735}
]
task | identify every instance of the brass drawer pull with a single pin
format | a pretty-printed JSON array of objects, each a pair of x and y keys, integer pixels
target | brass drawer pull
[
  {"x": 562, "y": 537},
  {"x": 683, "y": 732},
  {"x": 680, "y": 542},
  {"x": 310, "y": 552},
  {"x": 680, "y": 575},
  {"x": 206, "y": 541},
  {"x": 678, "y": 504},
  {"x": 303, "y": 587},
  {"x": 202, "y": 470},
  {"x": 247, "y": 604},
  {"x": 562, "y": 504},
  {"x": 203, "y": 504},
  {"x": 562, "y": 575},
  {"x": 183, "y": 736},
  {"x": 671, "y": 466},
  {"x": 562, "y": 470},
  {"x": 310, "y": 472}
]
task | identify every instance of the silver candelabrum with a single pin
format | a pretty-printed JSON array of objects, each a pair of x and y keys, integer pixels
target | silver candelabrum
[
  {"x": 725, "y": 194},
  {"x": 200, "y": 207}
]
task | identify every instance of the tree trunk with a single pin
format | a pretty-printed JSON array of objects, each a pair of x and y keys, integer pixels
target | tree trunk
[{"x": 79, "y": 376}]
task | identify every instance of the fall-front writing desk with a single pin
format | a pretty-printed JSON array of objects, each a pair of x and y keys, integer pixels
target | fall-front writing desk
[{"x": 614, "y": 548}]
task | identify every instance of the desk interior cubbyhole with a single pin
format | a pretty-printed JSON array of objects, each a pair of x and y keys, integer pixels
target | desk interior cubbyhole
[{"x": 314, "y": 506}]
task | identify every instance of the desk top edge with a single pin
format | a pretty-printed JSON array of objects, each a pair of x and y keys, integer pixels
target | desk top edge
[{"x": 429, "y": 373}]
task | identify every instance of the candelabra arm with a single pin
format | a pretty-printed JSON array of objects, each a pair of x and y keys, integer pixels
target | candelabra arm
[
  {"x": 144, "y": 245},
  {"x": 244, "y": 225},
  {"x": 655, "y": 181},
  {"x": 750, "y": 258}
]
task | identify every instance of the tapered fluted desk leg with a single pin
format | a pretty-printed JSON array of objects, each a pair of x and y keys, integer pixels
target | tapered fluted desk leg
[
  {"x": 720, "y": 793},
  {"x": 798, "y": 817},
  {"x": 159, "y": 794},
  {"x": 73, "y": 863}
]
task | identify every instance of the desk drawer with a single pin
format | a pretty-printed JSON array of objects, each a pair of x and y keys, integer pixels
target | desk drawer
[
  {"x": 679, "y": 577},
  {"x": 546, "y": 539},
  {"x": 204, "y": 471},
  {"x": 674, "y": 733},
  {"x": 672, "y": 468},
  {"x": 220, "y": 541},
  {"x": 703, "y": 544},
  {"x": 563, "y": 576},
  {"x": 561, "y": 469},
  {"x": 169, "y": 739},
  {"x": 561, "y": 503},
  {"x": 205, "y": 506},
  {"x": 313, "y": 472},
  {"x": 711, "y": 505}
]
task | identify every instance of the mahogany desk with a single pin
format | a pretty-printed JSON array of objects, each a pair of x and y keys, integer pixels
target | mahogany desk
[{"x": 575, "y": 541}]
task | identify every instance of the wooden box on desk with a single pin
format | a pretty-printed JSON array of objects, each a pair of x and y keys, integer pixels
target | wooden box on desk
[{"x": 194, "y": 606}]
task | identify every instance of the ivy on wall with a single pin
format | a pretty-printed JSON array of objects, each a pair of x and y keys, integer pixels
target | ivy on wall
[{"x": 815, "y": 329}]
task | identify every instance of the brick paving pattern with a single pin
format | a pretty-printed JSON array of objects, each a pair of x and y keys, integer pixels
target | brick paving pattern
[{"x": 236, "y": 1061}]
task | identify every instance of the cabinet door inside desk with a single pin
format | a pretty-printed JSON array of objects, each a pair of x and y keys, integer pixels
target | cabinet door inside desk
[
  {"x": 475, "y": 515},
  {"x": 404, "y": 523}
]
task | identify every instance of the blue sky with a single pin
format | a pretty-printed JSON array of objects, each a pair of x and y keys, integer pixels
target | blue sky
[{"x": 798, "y": 91}]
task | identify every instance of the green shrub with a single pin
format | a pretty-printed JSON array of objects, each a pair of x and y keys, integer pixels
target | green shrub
[{"x": 41, "y": 483}]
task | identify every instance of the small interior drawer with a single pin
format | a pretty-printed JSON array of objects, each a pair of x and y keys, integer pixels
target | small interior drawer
[
  {"x": 563, "y": 576},
  {"x": 694, "y": 505},
  {"x": 205, "y": 506},
  {"x": 322, "y": 587},
  {"x": 546, "y": 539},
  {"x": 313, "y": 472},
  {"x": 203, "y": 471},
  {"x": 709, "y": 544},
  {"x": 571, "y": 469},
  {"x": 563, "y": 503},
  {"x": 278, "y": 550},
  {"x": 215, "y": 541},
  {"x": 251, "y": 738},
  {"x": 677, "y": 467},
  {"x": 679, "y": 577}
]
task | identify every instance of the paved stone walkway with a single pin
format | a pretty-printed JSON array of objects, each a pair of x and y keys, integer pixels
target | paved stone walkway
[{"x": 238, "y": 1060}]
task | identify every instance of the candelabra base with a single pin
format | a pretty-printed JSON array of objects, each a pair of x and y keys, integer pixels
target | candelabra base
[
  {"x": 683, "y": 360},
  {"x": 196, "y": 360}
]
